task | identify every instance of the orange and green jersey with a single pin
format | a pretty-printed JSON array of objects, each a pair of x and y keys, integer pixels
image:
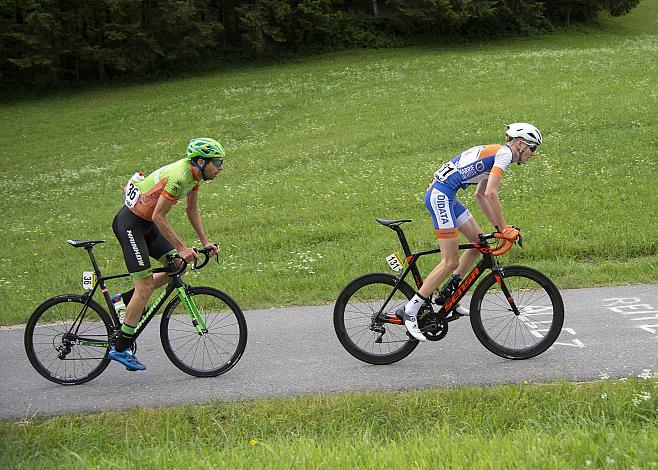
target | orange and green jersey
[{"x": 172, "y": 182}]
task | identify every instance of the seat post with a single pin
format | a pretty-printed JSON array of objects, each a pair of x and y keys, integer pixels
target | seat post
[
  {"x": 93, "y": 261},
  {"x": 403, "y": 240}
]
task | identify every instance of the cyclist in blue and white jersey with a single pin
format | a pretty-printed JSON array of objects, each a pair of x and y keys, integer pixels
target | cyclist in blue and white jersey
[{"x": 484, "y": 166}]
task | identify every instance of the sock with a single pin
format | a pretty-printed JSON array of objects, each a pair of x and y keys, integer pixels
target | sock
[
  {"x": 414, "y": 305},
  {"x": 125, "y": 339}
]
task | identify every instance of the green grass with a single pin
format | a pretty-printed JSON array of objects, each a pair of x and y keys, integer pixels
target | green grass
[
  {"x": 606, "y": 424},
  {"x": 316, "y": 149}
]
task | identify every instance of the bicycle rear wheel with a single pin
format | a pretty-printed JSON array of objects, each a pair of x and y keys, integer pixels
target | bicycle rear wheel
[
  {"x": 215, "y": 351},
  {"x": 355, "y": 308},
  {"x": 513, "y": 336},
  {"x": 66, "y": 351}
]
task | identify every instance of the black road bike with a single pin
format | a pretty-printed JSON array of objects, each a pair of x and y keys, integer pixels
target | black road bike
[
  {"x": 516, "y": 312},
  {"x": 203, "y": 331}
]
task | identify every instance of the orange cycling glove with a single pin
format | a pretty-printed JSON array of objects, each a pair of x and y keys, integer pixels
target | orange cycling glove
[{"x": 510, "y": 233}]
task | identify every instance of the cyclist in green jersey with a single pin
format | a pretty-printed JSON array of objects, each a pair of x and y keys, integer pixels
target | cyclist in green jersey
[{"x": 143, "y": 231}]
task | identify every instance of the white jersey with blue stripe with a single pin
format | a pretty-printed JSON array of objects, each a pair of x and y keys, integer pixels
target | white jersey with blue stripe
[{"x": 474, "y": 165}]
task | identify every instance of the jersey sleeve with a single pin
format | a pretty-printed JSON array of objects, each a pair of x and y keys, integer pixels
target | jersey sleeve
[{"x": 502, "y": 160}]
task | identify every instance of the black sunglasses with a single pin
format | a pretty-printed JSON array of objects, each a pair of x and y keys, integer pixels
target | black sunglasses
[{"x": 532, "y": 147}]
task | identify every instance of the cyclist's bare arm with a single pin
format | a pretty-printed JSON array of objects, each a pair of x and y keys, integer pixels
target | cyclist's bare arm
[
  {"x": 160, "y": 212},
  {"x": 194, "y": 216},
  {"x": 486, "y": 195},
  {"x": 479, "y": 198}
]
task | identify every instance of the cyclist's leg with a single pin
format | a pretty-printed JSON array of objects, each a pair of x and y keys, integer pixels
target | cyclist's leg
[
  {"x": 445, "y": 211},
  {"x": 449, "y": 263},
  {"x": 158, "y": 248},
  {"x": 438, "y": 200},
  {"x": 122, "y": 350},
  {"x": 471, "y": 230},
  {"x": 131, "y": 232}
]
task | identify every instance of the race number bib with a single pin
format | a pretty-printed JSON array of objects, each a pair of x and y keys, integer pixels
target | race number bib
[
  {"x": 446, "y": 170},
  {"x": 88, "y": 280},
  {"x": 395, "y": 262},
  {"x": 132, "y": 194}
]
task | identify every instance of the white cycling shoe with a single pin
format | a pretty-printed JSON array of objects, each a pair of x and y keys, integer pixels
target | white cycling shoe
[
  {"x": 411, "y": 323},
  {"x": 463, "y": 311}
]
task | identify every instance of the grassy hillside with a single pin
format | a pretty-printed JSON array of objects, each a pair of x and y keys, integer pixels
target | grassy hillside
[{"x": 317, "y": 149}]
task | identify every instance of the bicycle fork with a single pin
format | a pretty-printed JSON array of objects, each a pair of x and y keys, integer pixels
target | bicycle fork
[
  {"x": 192, "y": 311},
  {"x": 498, "y": 274}
]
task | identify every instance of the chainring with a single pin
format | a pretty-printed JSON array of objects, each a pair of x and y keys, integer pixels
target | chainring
[{"x": 434, "y": 326}]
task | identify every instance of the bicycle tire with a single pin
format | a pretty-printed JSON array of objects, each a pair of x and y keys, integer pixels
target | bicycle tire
[
  {"x": 53, "y": 319},
  {"x": 353, "y": 312},
  {"x": 504, "y": 333},
  {"x": 221, "y": 347}
]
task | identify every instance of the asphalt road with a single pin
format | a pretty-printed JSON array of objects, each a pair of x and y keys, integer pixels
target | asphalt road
[{"x": 608, "y": 332}]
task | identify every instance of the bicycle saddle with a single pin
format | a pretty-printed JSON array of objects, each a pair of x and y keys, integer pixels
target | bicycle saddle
[
  {"x": 392, "y": 223},
  {"x": 83, "y": 243}
]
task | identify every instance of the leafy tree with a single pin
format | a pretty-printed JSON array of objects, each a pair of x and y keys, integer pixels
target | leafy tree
[{"x": 46, "y": 42}]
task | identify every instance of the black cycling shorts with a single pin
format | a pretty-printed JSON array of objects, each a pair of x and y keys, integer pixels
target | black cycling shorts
[{"x": 139, "y": 239}]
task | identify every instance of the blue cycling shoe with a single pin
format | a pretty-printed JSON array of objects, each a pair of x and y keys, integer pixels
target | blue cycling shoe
[{"x": 127, "y": 358}]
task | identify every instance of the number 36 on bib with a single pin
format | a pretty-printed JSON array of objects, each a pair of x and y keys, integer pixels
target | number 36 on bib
[{"x": 132, "y": 194}]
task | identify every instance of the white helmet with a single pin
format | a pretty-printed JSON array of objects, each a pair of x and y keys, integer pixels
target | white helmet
[{"x": 526, "y": 131}]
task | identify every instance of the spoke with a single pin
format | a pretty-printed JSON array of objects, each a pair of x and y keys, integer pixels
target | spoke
[
  {"x": 219, "y": 350},
  {"x": 205, "y": 345},
  {"x": 196, "y": 350},
  {"x": 512, "y": 332},
  {"x": 214, "y": 341},
  {"x": 187, "y": 332},
  {"x": 532, "y": 300},
  {"x": 47, "y": 327},
  {"x": 360, "y": 325},
  {"x": 500, "y": 303}
]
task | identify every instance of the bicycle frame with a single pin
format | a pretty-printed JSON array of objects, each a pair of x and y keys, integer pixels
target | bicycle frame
[
  {"x": 175, "y": 284},
  {"x": 488, "y": 261}
]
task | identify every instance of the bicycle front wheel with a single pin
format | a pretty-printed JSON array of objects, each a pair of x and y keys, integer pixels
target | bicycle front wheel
[
  {"x": 217, "y": 349},
  {"x": 64, "y": 348},
  {"x": 355, "y": 309},
  {"x": 500, "y": 329}
]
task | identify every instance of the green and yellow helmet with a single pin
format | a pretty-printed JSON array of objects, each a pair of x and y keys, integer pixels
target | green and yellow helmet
[{"x": 204, "y": 148}]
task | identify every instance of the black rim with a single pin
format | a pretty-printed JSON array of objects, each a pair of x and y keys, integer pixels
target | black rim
[
  {"x": 218, "y": 349},
  {"x": 354, "y": 313},
  {"x": 527, "y": 334},
  {"x": 62, "y": 355}
]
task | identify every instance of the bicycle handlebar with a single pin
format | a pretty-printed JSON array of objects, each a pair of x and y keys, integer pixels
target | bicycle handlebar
[
  {"x": 195, "y": 266},
  {"x": 505, "y": 245}
]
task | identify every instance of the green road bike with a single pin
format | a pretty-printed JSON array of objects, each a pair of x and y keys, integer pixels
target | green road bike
[
  {"x": 203, "y": 331},
  {"x": 516, "y": 312}
]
